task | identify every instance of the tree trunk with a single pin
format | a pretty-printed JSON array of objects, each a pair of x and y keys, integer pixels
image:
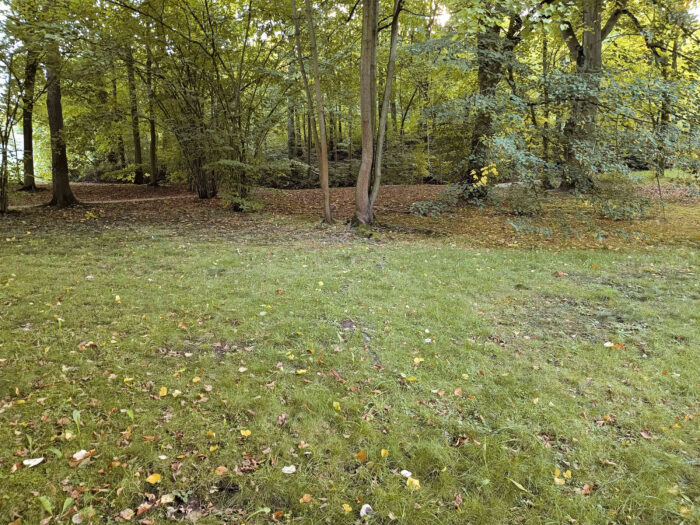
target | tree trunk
[
  {"x": 62, "y": 194},
  {"x": 580, "y": 128},
  {"x": 323, "y": 149},
  {"x": 153, "y": 151},
  {"x": 363, "y": 209},
  {"x": 133, "y": 103},
  {"x": 384, "y": 112},
  {"x": 291, "y": 134},
  {"x": 120, "y": 141},
  {"x": 320, "y": 134},
  {"x": 27, "y": 120}
]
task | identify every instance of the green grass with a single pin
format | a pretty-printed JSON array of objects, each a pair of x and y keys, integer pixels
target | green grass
[{"x": 480, "y": 371}]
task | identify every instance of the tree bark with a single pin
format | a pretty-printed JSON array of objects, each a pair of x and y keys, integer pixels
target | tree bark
[
  {"x": 323, "y": 149},
  {"x": 363, "y": 210},
  {"x": 291, "y": 134},
  {"x": 133, "y": 103},
  {"x": 30, "y": 69},
  {"x": 386, "y": 103},
  {"x": 62, "y": 193},
  {"x": 580, "y": 128},
  {"x": 153, "y": 151}
]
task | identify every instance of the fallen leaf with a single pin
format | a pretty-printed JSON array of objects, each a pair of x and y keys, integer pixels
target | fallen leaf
[
  {"x": 221, "y": 470},
  {"x": 290, "y": 469},
  {"x": 361, "y": 456},
  {"x": 385, "y": 452},
  {"x": 412, "y": 483},
  {"x": 127, "y": 514},
  {"x": 154, "y": 478},
  {"x": 32, "y": 462},
  {"x": 245, "y": 433},
  {"x": 306, "y": 498},
  {"x": 163, "y": 391},
  {"x": 347, "y": 508}
]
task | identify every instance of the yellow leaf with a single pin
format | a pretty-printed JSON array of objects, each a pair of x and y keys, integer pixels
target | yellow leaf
[
  {"x": 153, "y": 479},
  {"x": 246, "y": 433},
  {"x": 117, "y": 298},
  {"x": 301, "y": 371},
  {"x": 163, "y": 391},
  {"x": 418, "y": 360},
  {"x": 336, "y": 406},
  {"x": 347, "y": 508},
  {"x": 567, "y": 474},
  {"x": 196, "y": 379},
  {"x": 559, "y": 481},
  {"x": 411, "y": 379},
  {"x": 412, "y": 483},
  {"x": 213, "y": 448},
  {"x": 306, "y": 498},
  {"x": 385, "y": 452},
  {"x": 557, "y": 472}
]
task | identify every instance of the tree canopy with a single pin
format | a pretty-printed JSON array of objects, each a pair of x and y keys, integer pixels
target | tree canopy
[{"x": 226, "y": 95}]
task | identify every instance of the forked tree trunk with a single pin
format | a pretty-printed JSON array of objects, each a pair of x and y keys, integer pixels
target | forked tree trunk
[
  {"x": 133, "y": 103},
  {"x": 30, "y": 69},
  {"x": 62, "y": 194}
]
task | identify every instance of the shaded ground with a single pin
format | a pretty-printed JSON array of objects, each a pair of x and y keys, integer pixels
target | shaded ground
[{"x": 563, "y": 220}]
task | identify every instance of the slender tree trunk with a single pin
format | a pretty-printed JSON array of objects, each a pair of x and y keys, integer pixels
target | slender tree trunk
[
  {"x": 153, "y": 145},
  {"x": 120, "y": 141},
  {"x": 291, "y": 134},
  {"x": 384, "y": 112},
  {"x": 133, "y": 103},
  {"x": 350, "y": 152},
  {"x": 153, "y": 135},
  {"x": 363, "y": 209},
  {"x": 323, "y": 149},
  {"x": 320, "y": 134},
  {"x": 62, "y": 194},
  {"x": 27, "y": 119}
]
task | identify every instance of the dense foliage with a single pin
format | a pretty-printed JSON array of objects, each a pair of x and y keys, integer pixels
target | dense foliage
[{"x": 552, "y": 92}]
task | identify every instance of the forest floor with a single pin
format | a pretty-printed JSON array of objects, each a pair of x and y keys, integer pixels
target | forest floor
[{"x": 172, "y": 360}]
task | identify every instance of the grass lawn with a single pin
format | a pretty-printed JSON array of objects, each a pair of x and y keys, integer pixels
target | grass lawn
[{"x": 517, "y": 385}]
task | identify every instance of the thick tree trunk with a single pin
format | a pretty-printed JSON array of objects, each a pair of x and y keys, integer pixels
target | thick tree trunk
[
  {"x": 62, "y": 194},
  {"x": 27, "y": 120},
  {"x": 580, "y": 128},
  {"x": 133, "y": 104},
  {"x": 363, "y": 209},
  {"x": 493, "y": 52}
]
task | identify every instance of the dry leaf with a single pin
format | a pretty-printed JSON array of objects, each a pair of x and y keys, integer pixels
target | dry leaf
[
  {"x": 361, "y": 456},
  {"x": 306, "y": 498}
]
